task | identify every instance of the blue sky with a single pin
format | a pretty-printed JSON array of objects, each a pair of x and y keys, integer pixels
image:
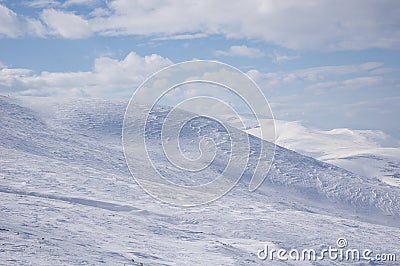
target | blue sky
[{"x": 328, "y": 64}]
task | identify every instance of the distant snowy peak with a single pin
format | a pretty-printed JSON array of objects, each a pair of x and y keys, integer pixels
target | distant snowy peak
[{"x": 370, "y": 153}]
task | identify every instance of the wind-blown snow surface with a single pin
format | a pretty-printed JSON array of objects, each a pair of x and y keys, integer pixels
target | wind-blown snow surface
[
  {"x": 369, "y": 153},
  {"x": 67, "y": 198}
]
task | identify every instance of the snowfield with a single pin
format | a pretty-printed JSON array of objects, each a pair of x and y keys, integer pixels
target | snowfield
[
  {"x": 68, "y": 198},
  {"x": 369, "y": 153}
]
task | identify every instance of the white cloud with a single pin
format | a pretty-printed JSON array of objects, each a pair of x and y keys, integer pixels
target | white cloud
[
  {"x": 241, "y": 50},
  {"x": 109, "y": 78},
  {"x": 310, "y": 24},
  {"x": 9, "y": 23},
  {"x": 66, "y": 24},
  {"x": 36, "y": 27},
  {"x": 297, "y": 25},
  {"x": 13, "y": 78}
]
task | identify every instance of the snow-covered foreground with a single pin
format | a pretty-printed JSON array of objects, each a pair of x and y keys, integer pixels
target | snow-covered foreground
[{"x": 67, "y": 198}]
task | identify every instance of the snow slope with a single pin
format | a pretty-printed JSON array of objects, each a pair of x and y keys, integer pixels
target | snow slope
[
  {"x": 369, "y": 153},
  {"x": 67, "y": 198}
]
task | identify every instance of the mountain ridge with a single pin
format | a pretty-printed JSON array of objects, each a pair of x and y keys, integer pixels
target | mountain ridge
[{"x": 57, "y": 167}]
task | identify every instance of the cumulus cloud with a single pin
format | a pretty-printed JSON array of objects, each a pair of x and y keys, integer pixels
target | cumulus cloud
[
  {"x": 109, "y": 78},
  {"x": 241, "y": 50}
]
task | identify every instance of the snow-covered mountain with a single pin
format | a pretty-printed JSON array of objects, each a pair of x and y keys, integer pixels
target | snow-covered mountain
[
  {"x": 67, "y": 198},
  {"x": 370, "y": 153}
]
